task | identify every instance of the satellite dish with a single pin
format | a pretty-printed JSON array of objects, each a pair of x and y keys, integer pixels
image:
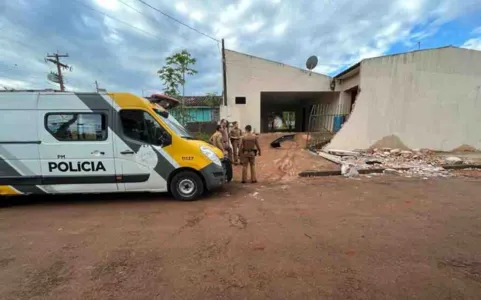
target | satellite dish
[{"x": 311, "y": 62}]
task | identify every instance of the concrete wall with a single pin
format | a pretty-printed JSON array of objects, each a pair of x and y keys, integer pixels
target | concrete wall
[
  {"x": 424, "y": 99},
  {"x": 345, "y": 85},
  {"x": 248, "y": 76}
]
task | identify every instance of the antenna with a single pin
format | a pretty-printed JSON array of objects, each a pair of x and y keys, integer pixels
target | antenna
[{"x": 311, "y": 63}]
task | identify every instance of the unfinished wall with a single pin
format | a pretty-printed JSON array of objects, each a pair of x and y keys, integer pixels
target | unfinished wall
[
  {"x": 345, "y": 86},
  {"x": 248, "y": 76},
  {"x": 428, "y": 99}
]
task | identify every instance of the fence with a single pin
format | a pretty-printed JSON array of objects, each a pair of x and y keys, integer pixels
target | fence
[{"x": 322, "y": 126}]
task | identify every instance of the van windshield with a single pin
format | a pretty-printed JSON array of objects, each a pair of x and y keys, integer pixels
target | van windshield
[{"x": 175, "y": 126}]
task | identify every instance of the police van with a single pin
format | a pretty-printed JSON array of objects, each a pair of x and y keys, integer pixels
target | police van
[{"x": 62, "y": 142}]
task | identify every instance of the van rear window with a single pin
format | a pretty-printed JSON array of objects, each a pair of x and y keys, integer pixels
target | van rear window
[{"x": 77, "y": 126}]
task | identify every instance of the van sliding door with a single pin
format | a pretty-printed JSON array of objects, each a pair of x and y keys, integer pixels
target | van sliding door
[{"x": 76, "y": 152}]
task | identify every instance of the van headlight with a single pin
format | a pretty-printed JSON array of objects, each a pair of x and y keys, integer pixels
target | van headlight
[{"x": 211, "y": 155}]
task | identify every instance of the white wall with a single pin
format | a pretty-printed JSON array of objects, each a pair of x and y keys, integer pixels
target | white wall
[
  {"x": 248, "y": 76},
  {"x": 428, "y": 99},
  {"x": 345, "y": 96}
]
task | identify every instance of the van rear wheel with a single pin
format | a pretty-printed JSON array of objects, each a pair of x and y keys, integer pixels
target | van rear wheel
[{"x": 186, "y": 186}]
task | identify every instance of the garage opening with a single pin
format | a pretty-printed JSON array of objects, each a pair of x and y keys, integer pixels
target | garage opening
[{"x": 290, "y": 111}]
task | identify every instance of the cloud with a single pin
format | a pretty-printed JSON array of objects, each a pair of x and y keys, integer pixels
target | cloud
[
  {"x": 474, "y": 44},
  {"x": 476, "y": 30},
  {"x": 122, "y": 44},
  {"x": 279, "y": 29}
]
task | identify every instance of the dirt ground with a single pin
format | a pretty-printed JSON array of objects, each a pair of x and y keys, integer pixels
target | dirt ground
[
  {"x": 325, "y": 238},
  {"x": 285, "y": 163},
  {"x": 284, "y": 238}
]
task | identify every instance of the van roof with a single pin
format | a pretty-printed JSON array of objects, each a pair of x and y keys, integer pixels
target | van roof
[{"x": 121, "y": 99}]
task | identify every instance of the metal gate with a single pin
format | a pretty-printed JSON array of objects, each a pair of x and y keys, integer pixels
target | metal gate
[{"x": 321, "y": 126}]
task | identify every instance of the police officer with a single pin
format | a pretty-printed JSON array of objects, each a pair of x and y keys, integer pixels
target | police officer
[
  {"x": 249, "y": 148},
  {"x": 235, "y": 135},
  {"x": 216, "y": 139},
  {"x": 224, "y": 130}
]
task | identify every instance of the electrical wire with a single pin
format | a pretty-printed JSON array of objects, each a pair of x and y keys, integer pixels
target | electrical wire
[
  {"x": 123, "y": 22},
  {"x": 180, "y": 22},
  {"x": 133, "y": 8},
  {"x": 218, "y": 46}
]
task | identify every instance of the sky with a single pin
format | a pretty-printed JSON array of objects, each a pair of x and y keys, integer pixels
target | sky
[{"x": 123, "y": 43}]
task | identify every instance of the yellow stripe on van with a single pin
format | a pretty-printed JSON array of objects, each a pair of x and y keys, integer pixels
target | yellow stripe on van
[
  {"x": 185, "y": 152},
  {"x": 6, "y": 190},
  {"x": 126, "y": 100}
]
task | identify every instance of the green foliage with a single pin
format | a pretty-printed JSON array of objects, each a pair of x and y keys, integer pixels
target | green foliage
[
  {"x": 212, "y": 99},
  {"x": 173, "y": 72},
  {"x": 171, "y": 79}
]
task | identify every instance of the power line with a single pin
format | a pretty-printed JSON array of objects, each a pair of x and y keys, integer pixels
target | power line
[
  {"x": 133, "y": 8},
  {"x": 123, "y": 22},
  {"x": 180, "y": 22}
]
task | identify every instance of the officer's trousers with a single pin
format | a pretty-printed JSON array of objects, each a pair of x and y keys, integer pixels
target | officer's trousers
[
  {"x": 235, "y": 149},
  {"x": 248, "y": 160}
]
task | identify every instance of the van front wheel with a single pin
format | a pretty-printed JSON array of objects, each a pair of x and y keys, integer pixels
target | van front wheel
[{"x": 186, "y": 186}]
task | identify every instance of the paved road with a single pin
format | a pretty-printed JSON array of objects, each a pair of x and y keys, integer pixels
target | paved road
[{"x": 327, "y": 238}]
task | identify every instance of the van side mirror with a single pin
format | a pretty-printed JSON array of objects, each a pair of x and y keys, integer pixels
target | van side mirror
[{"x": 165, "y": 139}]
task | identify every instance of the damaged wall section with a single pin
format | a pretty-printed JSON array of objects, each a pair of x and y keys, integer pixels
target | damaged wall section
[{"x": 425, "y": 99}]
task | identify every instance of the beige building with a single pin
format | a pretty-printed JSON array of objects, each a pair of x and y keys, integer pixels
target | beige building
[
  {"x": 257, "y": 87},
  {"x": 421, "y": 99}
]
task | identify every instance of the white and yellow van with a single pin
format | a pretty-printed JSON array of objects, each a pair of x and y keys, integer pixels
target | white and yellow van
[{"x": 62, "y": 142}]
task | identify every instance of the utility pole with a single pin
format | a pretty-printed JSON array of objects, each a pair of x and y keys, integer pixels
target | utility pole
[
  {"x": 96, "y": 86},
  {"x": 224, "y": 75},
  {"x": 55, "y": 59}
]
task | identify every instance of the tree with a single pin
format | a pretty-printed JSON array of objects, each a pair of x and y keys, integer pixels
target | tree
[
  {"x": 171, "y": 80},
  {"x": 212, "y": 100},
  {"x": 173, "y": 75}
]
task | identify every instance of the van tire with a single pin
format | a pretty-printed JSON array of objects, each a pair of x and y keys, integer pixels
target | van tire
[{"x": 186, "y": 186}]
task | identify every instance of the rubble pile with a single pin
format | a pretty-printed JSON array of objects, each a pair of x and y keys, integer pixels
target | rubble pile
[{"x": 409, "y": 163}]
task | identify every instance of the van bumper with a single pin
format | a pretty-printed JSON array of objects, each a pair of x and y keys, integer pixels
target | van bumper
[{"x": 216, "y": 176}]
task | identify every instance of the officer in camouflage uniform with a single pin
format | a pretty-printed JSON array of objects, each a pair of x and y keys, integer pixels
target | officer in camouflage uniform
[
  {"x": 249, "y": 148},
  {"x": 235, "y": 135}
]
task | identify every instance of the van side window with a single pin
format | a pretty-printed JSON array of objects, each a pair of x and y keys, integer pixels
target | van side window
[
  {"x": 77, "y": 126},
  {"x": 141, "y": 126}
]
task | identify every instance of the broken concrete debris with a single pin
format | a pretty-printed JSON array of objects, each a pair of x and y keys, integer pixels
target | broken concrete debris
[
  {"x": 391, "y": 172},
  {"x": 343, "y": 152},
  {"x": 373, "y": 161},
  {"x": 409, "y": 163},
  {"x": 395, "y": 151},
  {"x": 453, "y": 160},
  {"x": 349, "y": 170}
]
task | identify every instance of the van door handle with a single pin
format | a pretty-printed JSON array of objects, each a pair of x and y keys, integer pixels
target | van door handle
[
  {"x": 127, "y": 152},
  {"x": 96, "y": 152}
]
